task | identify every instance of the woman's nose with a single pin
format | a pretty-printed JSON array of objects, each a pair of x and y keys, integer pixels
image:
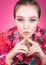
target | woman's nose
[{"x": 26, "y": 25}]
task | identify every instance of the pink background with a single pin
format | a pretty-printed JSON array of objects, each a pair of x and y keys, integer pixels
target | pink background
[{"x": 6, "y": 14}]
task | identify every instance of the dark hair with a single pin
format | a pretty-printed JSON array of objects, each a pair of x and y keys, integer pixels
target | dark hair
[{"x": 25, "y": 2}]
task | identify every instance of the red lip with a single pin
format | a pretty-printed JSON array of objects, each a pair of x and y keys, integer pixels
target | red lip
[{"x": 26, "y": 33}]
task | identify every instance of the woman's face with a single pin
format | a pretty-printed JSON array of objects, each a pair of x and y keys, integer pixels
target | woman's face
[{"x": 26, "y": 20}]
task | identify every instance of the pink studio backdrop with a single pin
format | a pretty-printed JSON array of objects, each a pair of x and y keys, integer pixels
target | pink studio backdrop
[{"x": 6, "y": 14}]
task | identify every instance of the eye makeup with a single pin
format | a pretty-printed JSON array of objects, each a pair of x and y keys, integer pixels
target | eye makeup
[
  {"x": 33, "y": 19},
  {"x": 20, "y": 18}
]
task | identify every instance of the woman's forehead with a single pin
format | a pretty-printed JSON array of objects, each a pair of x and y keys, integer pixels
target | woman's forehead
[{"x": 27, "y": 11}]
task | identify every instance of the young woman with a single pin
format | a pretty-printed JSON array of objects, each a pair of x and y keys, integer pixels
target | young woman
[{"x": 25, "y": 44}]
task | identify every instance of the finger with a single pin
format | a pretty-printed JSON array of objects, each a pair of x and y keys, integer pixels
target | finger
[
  {"x": 21, "y": 51},
  {"x": 22, "y": 41},
  {"x": 23, "y": 47},
  {"x": 34, "y": 50},
  {"x": 32, "y": 42}
]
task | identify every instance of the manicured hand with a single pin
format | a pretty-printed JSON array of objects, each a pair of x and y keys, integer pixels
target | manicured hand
[
  {"x": 35, "y": 48},
  {"x": 18, "y": 48},
  {"x": 21, "y": 47}
]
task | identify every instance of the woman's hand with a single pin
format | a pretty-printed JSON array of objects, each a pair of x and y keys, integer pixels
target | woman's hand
[
  {"x": 19, "y": 47},
  {"x": 36, "y": 49}
]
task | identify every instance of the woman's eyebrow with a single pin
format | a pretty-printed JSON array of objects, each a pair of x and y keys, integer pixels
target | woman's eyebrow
[
  {"x": 28, "y": 17},
  {"x": 19, "y": 16},
  {"x": 33, "y": 17}
]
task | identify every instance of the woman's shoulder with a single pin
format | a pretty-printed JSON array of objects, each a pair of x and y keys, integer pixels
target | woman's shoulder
[
  {"x": 9, "y": 37},
  {"x": 40, "y": 37},
  {"x": 10, "y": 33},
  {"x": 41, "y": 31},
  {"x": 10, "y": 30}
]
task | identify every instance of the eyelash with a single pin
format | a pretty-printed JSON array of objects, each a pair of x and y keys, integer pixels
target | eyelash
[
  {"x": 32, "y": 20},
  {"x": 20, "y": 20}
]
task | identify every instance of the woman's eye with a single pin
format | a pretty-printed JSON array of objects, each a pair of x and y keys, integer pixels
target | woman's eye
[
  {"x": 20, "y": 20},
  {"x": 32, "y": 20}
]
